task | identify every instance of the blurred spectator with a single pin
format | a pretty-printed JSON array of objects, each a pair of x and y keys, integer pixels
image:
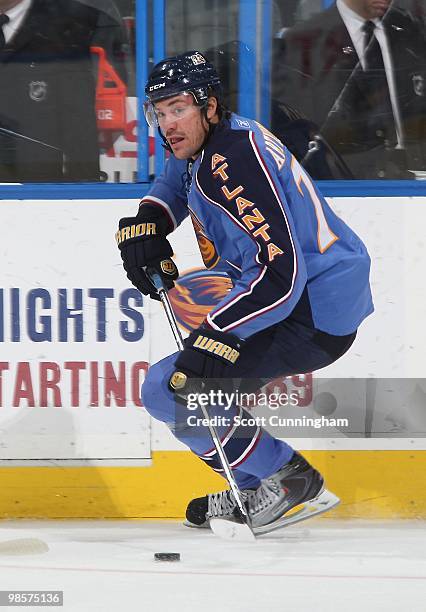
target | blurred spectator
[
  {"x": 358, "y": 71},
  {"x": 48, "y": 126},
  {"x": 299, "y": 134}
]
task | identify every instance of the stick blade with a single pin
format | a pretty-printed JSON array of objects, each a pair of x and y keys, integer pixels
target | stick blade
[{"x": 230, "y": 530}]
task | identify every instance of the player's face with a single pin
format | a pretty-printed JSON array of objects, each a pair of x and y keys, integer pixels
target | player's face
[
  {"x": 369, "y": 9},
  {"x": 183, "y": 124}
]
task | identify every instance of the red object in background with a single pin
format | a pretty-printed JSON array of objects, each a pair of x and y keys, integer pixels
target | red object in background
[{"x": 111, "y": 95}]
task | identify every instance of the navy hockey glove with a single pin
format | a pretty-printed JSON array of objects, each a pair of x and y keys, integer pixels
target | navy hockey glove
[
  {"x": 142, "y": 242},
  {"x": 208, "y": 354}
]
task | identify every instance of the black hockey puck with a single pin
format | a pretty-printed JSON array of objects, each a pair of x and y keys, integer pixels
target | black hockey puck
[{"x": 167, "y": 556}]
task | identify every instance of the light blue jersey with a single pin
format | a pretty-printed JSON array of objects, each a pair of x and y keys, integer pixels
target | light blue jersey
[{"x": 258, "y": 215}]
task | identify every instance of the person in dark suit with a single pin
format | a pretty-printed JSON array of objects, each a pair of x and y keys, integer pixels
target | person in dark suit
[
  {"x": 358, "y": 70},
  {"x": 48, "y": 126}
]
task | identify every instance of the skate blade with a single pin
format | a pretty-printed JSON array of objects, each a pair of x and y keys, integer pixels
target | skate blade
[
  {"x": 324, "y": 502},
  {"x": 230, "y": 530},
  {"x": 204, "y": 525}
]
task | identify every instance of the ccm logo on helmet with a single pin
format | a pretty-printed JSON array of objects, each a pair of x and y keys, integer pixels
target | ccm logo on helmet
[{"x": 158, "y": 86}]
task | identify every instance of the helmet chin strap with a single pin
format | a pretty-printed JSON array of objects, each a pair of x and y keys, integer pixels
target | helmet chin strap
[{"x": 165, "y": 144}]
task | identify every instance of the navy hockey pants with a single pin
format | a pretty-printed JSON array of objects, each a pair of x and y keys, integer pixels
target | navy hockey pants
[{"x": 287, "y": 348}]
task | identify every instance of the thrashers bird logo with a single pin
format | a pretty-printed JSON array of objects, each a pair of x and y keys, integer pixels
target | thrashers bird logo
[
  {"x": 195, "y": 294},
  {"x": 206, "y": 246}
]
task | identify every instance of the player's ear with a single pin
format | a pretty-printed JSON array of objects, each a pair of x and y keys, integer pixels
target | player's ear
[{"x": 211, "y": 108}]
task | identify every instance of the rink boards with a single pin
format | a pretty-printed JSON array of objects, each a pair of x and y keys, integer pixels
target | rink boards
[{"x": 76, "y": 341}]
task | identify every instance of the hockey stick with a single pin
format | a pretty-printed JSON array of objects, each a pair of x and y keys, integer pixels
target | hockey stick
[{"x": 225, "y": 529}]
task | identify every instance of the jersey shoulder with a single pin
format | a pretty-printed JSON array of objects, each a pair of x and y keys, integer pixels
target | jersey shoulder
[
  {"x": 229, "y": 136},
  {"x": 243, "y": 142},
  {"x": 240, "y": 167},
  {"x": 243, "y": 153},
  {"x": 226, "y": 157}
]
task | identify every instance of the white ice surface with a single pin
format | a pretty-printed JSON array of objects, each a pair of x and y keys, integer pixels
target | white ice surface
[{"x": 321, "y": 566}]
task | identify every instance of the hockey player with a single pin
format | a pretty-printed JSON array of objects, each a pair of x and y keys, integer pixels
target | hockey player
[{"x": 300, "y": 278}]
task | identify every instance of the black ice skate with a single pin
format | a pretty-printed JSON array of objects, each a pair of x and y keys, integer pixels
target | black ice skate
[
  {"x": 215, "y": 505},
  {"x": 296, "y": 484}
]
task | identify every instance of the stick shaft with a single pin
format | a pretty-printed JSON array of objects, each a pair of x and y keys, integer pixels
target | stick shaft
[{"x": 158, "y": 284}]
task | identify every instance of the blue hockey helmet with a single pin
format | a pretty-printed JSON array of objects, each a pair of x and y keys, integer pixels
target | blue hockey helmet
[{"x": 190, "y": 73}]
